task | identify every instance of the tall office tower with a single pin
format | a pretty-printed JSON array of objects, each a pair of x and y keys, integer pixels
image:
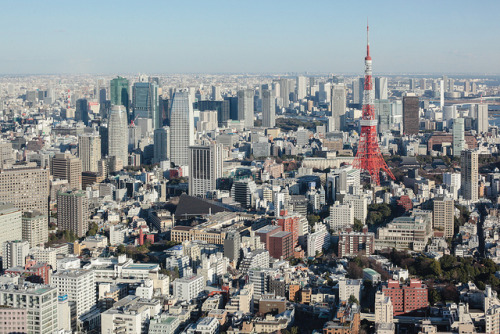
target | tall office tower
[
  {"x": 14, "y": 253},
  {"x": 423, "y": 84},
  {"x": 10, "y": 223},
  {"x": 146, "y": 103},
  {"x": 381, "y": 92},
  {"x": 119, "y": 94},
  {"x": 232, "y": 246},
  {"x": 102, "y": 95},
  {"x": 325, "y": 91},
  {"x": 242, "y": 192},
  {"x": 181, "y": 128},
  {"x": 441, "y": 94},
  {"x": 451, "y": 85},
  {"x": 162, "y": 144},
  {"x": 469, "y": 174},
  {"x": 338, "y": 105},
  {"x": 27, "y": 188},
  {"x": 458, "y": 136},
  {"x": 383, "y": 109},
  {"x": 216, "y": 96},
  {"x": 39, "y": 303},
  {"x": 268, "y": 109},
  {"x": 285, "y": 92},
  {"x": 474, "y": 88},
  {"x": 357, "y": 91},
  {"x": 65, "y": 166},
  {"x": 89, "y": 151},
  {"x": 79, "y": 285},
  {"x": 413, "y": 84},
  {"x": 73, "y": 212},
  {"x": 444, "y": 209},
  {"x": 205, "y": 167},
  {"x": 164, "y": 110},
  {"x": 245, "y": 107},
  {"x": 368, "y": 157},
  {"x": 82, "y": 111},
  {"x": 301, "y": 87},
  {"x": 35, "y": 228},
  {"x": 222, "y": 107},
  {"x": 104, "y": 133},
  {"x": 411, "y": 115},
  {"x": 445, "y": 81},
  {"x": 482, "y": 118},
  {"x": 118, "y": 134}
]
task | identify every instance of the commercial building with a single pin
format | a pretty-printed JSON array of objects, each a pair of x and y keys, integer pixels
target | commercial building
[
  {"x": 161, "y": 144},
  {"x": 119, "y": 92},
  {"x": 205, "y": 167},
  {"x": 118, "y": 135},
  {"x": 246, "y": 107},
  {"x": 406, "y": 298},
  {"x": 411, "y": 115},
  {"x": 145, "y": 102},
  {"x": 189, "y": 288},
  {"x": 268, "y": 109},
  {"x": 341, "y": 216},
  {"x": 67, "y": 167},
  {"x": 458, "y": 136},
  {"x": 10, "y": 224}
]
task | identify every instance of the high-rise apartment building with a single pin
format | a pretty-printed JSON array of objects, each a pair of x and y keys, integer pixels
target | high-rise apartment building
[
  {"x": 10, "y": 224},
  {"x": 482, "y": 118},
  {"x": 246, "y": 107},
  {"x": 65, "y": 166},
  {"x": 181, "y": 128},
  {"x": 118, "y": 134},
  {"x": 161, "y": 144},
  {"x": 14, "y": 253},
  {"x": 35, "y": 228},
  {"x": 381, "y": 92},
  {"x": 353, "y": 244},
  {"x": 406, "y": 298},
  {"x": 268, "y": 109},
  {"x": 444, "y": 213},
  {"x": 89, "y": 151},
  {"x": 145, "y": 102},
  {"x": 301, "y": 87},
  {"x": 232, "y": 245},
  {"x": 188, "y": 288},
  {"x": 205, "y": 167},
  {"x": 284, "y": 85},
  {"x": 411, "y": 115},
  {"x": 26, "y": 187},
  {"x": 72, "y": 212},
  {"x": 39, "y": 301},
  {"x": 119, "y": 93},
  {"x": 338, "y": 106},
  {"x": 469, "y": 174},
  {"x": 341, "y": 216},
  {"x": 458, "y": 136}
]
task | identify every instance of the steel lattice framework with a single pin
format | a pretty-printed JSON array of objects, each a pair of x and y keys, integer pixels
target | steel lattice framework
[{"x": 369, "y": 157}]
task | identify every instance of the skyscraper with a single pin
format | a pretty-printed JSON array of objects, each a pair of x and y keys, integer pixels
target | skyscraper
[
  {"x": 82, "y": 111},
  {"x": 469, "y": 174},
  {"x": 35, "y": 227},
  {"x": 65, "y": 166},
  {"x": 245, "y": 107},
  {"x": 162, "y": 144},
  {"x": 268, "y": 109},
  {"x": 205, "y": 167},
  {"x": 89, "y": 151},
  {"x": 482, "y": 118},
  {"x": 232, "y": 246},
  {"x": 146, "y": 103},
  {"x": 285, "y": 92},
  {"x": 444, "y": 209},
  {"x": 119, "y": 93},
  {"x": 458, "y": 136},
  {"x": 338, "y": 105},
  {"x": 118, "y": 134},
  {"x": 411, "y": 118},
  {"x": 381, "y": 88},
  {"x": 72, "y": 212},
  {"x": 301, "y": 87},
  {"x": 181, "y": 128},
  {"x": 216, "y": 96}
]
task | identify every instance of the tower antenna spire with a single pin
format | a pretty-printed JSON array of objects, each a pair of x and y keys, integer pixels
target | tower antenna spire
[{"x": 367, "y": 39}]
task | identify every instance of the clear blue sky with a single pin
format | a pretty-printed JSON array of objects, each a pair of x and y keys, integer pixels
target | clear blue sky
[{"x": 113, "y": 37}]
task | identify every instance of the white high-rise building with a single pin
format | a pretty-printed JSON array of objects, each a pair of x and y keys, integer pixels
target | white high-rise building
[
  {"x": 359, "y": 203},
  {"x": 285, "y": 91},
  {"x": 245, "y": 107},
  {"x": 470, "y": 175},
  {"x": 458, "y": 136},
  {"x": 181, "y": 128},
  {"x": 381, "y": 92},
  {"x": 89, "y": 151},
  {"x": 10, "y": 224},
  {"x": 14, "y": 253},
  {"x": 318, "y": 240},
  {"x": 205, "y": 167},
  {"x": 80, "y": 287},
  {"x": 482, "y": 118},
  {"x": 118, "y": 134},
  {"x": 383, "y": 309},
  {"x": 268, "y": 109},
  {"x": 452, "y": 182},
  {"x": 348, "y": 288},
  {"x": 188, "y": 288},
  {"x": 35, "y": 227},
  {"x": 341, "y": 215},
  {"x": 301, "y": 87},
  {"x": 162, "y": 144}
]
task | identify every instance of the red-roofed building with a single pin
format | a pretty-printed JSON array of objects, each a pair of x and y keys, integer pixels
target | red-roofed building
[{"x": 407, "y": 298}]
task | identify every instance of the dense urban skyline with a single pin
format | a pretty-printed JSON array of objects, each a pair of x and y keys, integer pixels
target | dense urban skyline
[{"x": 203, "y": 37}]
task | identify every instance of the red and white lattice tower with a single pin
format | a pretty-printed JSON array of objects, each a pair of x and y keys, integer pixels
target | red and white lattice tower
[{"x": 368, "y": 156}]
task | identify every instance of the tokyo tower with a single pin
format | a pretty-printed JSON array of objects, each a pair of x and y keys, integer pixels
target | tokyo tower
[{"x": 368, "y": 156}]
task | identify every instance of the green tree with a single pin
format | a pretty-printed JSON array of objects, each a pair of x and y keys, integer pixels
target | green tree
[
  {"x": 93, "y": 229},
  {"x": 353, "y": 300},
  {"x": 358, "y": 225}
]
